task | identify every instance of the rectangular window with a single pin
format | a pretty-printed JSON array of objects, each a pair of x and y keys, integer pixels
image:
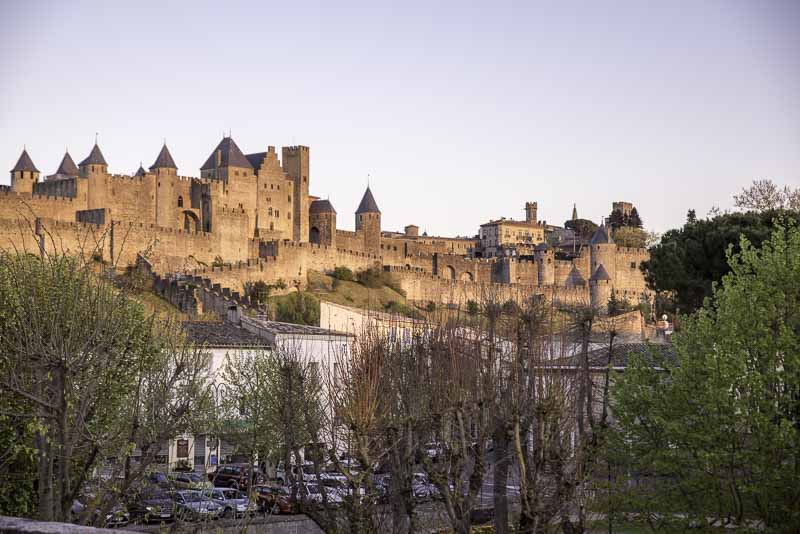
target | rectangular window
[{"x": 182, "y": 447}]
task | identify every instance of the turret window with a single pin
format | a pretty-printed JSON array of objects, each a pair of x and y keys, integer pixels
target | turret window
[
  {"x": 180, "y": 202},
  {"x": 289, "y": 197}
]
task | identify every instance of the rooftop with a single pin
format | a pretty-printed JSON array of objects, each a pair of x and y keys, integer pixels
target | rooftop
[
  {"x": 512, "y": 222},
  {"x": 95, "y": 157},
  {"x": 276, "y": 328},
  {"x": 657, "y": 355},
  {"x": 222, "y": 334},
  {"x": 24, "y": 163},
  {"x": 230, "y": 155},
  {"x": 368, "y": 204}
]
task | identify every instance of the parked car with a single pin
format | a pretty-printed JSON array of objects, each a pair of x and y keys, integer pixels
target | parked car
[
  {"x": 275, "y": 500},
  {"x": 304, "y": 472},
  {"x": 192, "y": 506},
  {"x": 151, "y": 504},
  {"x": 421, "y": 487},
  {"x": 338, "y": 483},
  {"x": 312, "y": 494},
  {"x": 233, "y": 502},
  {"x": 236, "y": 476},
  {"x": 116, "y": 517},
  {"x": 189, "y": 481},
  {"x": 159, "y": 479}
]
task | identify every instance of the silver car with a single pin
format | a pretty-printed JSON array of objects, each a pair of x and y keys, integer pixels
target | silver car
[
  {"x": 193, "y": 506},
  {"x": 232, "y": 502}
]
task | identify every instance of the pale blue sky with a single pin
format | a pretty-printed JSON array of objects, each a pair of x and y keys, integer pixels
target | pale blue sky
[{"x": 460, "y": 112}]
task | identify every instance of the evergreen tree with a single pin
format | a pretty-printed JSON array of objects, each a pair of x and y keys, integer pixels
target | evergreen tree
[
  {"x": 616, "y": 219},
  {"x": 634, "y": 221}
]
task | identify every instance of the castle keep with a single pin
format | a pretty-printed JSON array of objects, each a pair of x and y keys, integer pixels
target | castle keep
[{"x": 250, "y": 217}]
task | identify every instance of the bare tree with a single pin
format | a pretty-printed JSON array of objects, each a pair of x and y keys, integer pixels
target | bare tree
[{"x": 764, "y": 195}]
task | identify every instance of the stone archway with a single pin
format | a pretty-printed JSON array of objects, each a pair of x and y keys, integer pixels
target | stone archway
[
  {"x": 449, "y": 272},
  {"x": 467, "y": 276},
  {"x": 313, "y": 235},
  {"x": 191, "y": 223}
]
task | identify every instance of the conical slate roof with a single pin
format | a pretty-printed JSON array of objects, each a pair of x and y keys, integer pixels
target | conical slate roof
[
  {"x": 140, "y": 171},
  {"x": 601, "y": 236},
  {"x": 164, "y": 160},
  {"x": 231, "y": 156},
  {"x": 600, "y": 274},
  {"x": 321, "y": 206},
  {"x": 95, "y": 157},
  {"x": 24, "y": 163},
  {"x": 68, "y": 167},
  {"x": 368, "y": 204},
  {"x": 574, "y": 212}
]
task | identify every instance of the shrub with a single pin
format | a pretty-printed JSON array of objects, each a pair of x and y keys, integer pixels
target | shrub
[
  {"x": 431, "y": 306},
  {"x": 258, "y": 291},
  {"x": 342, "y": 273},
  {"x": 218, "y": 262},
  {"x": 472, "y": 307},
  {"x": 372, "y": 277},
  {"x": 298, "y": 308}
]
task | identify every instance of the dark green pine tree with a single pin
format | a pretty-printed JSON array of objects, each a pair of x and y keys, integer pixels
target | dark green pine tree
[
  {"x": 616, "y": 219},
  {"x": 634, "y": 220}
]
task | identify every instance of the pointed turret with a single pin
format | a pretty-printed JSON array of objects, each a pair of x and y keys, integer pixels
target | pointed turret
[
  {"x": 601, "y": 236},
  {"x": 67, "y": 166},
  {"x": 600, "y": 274},
  {"x": 368, "y": 204},
  {"x": 24, "y": 163},
  {"x": 368, "y": 222},
  {"x": 95, "y": 157},
  {"x": 24, "y": 174},
  {"x": 140, "y": 171},
  {"x": 574, "y": 212},
  {"x": 164, "y": 160}
]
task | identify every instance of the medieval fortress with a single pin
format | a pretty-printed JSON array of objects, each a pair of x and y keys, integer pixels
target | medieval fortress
[{"x": 251, "y": 217}]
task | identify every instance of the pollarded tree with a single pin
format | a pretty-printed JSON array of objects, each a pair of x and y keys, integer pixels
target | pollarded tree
[
  {"x": 716, "y": 433},
  {"x": 97, "y": 375}
]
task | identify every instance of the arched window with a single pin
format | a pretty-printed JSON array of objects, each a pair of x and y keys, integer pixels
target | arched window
[
  {"x": 314, "y": 235},
  {"x": 180, "y": 202}
]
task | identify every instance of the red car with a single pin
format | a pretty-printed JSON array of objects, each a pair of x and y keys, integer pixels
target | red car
[
  {"x": 275, "y": 500},
  {"x": 237, "y": 476}
]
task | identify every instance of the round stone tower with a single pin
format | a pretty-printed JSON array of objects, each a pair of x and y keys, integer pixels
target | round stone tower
[
  {"x": 600, "y": 288},
  {"x": 322, "y": 223},
  {"x": 368, "y": 222},
  {"x": 166, "y": 172},
  {"x": 603, "y": 251},
  {"x": 95, "y": 169},
  {"x": 545, "y": 264},
  {"x": 24, "y": 174}
]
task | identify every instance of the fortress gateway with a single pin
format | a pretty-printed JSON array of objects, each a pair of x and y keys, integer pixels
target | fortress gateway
[{"x": 250, "y": 217}]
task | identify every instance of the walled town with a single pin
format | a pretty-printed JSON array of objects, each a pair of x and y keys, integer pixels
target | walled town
[{"x": 251, "y": 217}]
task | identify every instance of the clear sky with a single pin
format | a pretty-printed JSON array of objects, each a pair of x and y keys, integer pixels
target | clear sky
[{"x": 459, "y": 112}]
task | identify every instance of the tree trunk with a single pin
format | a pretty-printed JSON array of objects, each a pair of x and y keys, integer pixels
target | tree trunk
[{"x": 501, "y": 467}]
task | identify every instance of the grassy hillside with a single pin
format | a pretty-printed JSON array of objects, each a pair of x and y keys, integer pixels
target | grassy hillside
[{"x": 348, "y": 293}]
